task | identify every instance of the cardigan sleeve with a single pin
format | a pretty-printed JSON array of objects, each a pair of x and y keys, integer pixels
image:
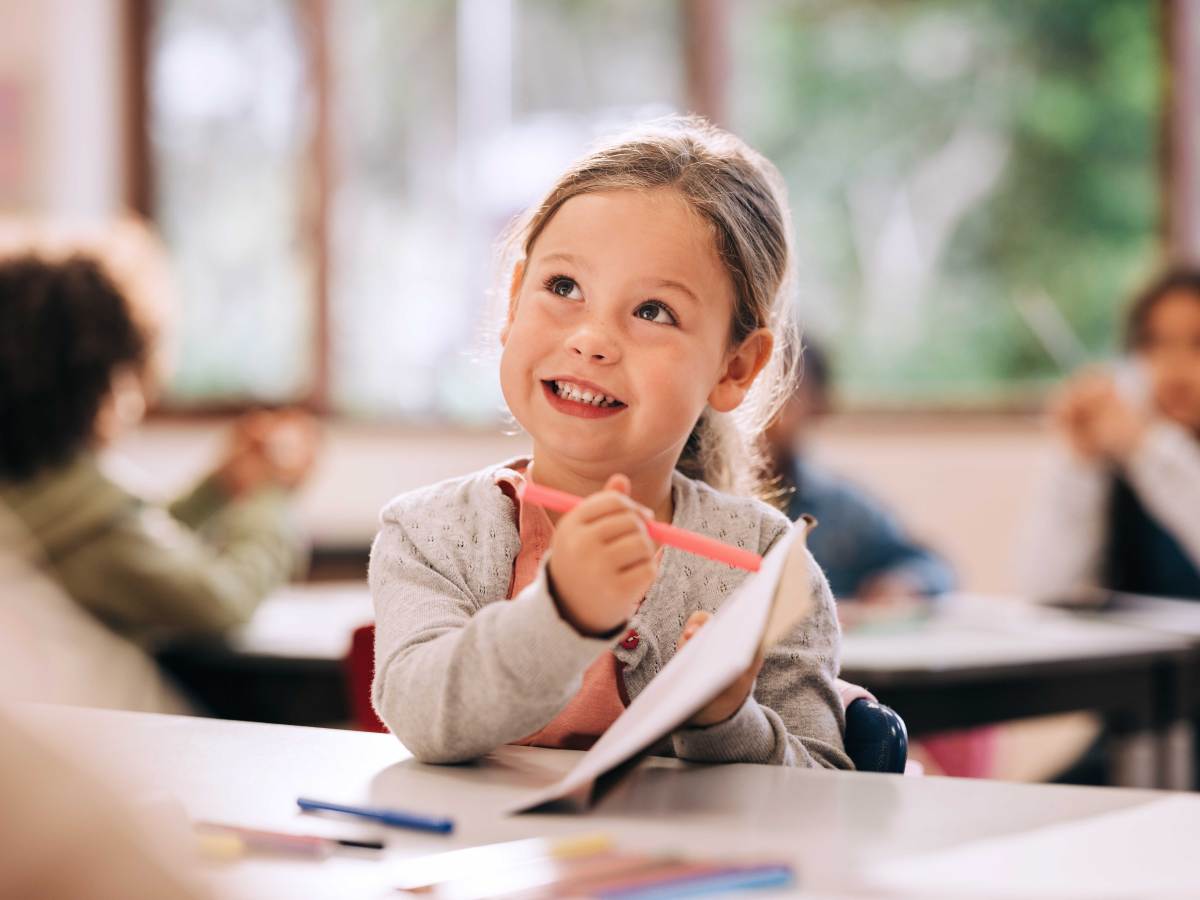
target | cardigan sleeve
[
  {"x": 1061, "y": 550},
  {"x": 456, "y": 676}
]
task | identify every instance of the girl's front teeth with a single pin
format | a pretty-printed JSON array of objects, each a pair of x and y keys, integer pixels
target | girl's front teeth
[{"x": 579, "y": 395}]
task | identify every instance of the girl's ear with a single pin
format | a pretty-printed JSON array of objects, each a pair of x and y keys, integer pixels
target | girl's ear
[
  {"x": 741, "y": 368},
  {"x": 514, "y": 289}
]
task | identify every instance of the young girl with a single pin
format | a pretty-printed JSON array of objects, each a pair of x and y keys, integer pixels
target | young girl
[
  {"x": 1122, "y": 511},
  {"x": 647, "y": 292}
]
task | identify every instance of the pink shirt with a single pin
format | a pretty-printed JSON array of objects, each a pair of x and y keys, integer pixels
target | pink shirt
[{"x": 601, "y": 698}]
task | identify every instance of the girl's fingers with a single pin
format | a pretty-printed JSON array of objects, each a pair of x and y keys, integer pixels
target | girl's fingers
[
  {"x": 606, "y": 503},
  {"x": 695, "y": 622},
  {"x": 610, "y": 528},
  {"x": 638, "y": 576},
  {"x": 599, "y": 505},
  {"x": 619, "y": 483},
  {"x": 629, "y": 551},
  {"x": 756, "y": 666}
]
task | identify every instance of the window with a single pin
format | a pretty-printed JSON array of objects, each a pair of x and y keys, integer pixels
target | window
[
  {"x": 445, "y": 120},
  {"x": 229, "y": 123},
  {"x": 974, "y": 186}
]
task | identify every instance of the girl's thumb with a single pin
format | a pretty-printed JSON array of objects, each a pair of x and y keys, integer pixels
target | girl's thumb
[{"x": 618, "y": 483}]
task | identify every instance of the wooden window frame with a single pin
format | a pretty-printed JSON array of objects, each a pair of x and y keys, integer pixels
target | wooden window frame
[{"x": 314, "y": 15}]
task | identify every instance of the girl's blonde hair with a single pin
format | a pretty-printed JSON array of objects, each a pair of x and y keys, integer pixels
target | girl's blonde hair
[{"x": 742, "y": 197}]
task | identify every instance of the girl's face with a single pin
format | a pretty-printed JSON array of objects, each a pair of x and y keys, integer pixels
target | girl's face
[
  {"x": 1171, "y": 352},
  {"x": 618, "y": 332}
]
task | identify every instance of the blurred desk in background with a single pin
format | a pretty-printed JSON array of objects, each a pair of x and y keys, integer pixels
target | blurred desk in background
[
  {"x": 1177, "y": 618},
  {"x": 339, "y": 562},
  {"x": 286, "y": 666},
  {"x": 982, "y": 660}
]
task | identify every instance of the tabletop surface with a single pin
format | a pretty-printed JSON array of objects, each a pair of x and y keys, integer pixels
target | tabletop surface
[
  {"x": 977, "y": 633},
  {"x": 848, "y": 833},
  {"x": 308, "y": 621},
  {"x": 1178, "y": 617}
]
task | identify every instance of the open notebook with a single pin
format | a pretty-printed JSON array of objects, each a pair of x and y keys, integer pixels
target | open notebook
[{"x": 766, "y": 607}]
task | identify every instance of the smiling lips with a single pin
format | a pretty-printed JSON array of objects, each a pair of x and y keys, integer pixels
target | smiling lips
[{"x": 581, "y": 399}]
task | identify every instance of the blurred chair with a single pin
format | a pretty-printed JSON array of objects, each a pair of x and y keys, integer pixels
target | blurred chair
[{"x": 360, "y": 671}]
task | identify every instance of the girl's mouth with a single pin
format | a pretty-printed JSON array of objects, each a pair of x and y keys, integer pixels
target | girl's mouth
[{"x": 575, "y": 400}]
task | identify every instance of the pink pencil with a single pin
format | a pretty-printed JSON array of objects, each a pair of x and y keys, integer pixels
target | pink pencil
[{"x": 701, "y": 545}]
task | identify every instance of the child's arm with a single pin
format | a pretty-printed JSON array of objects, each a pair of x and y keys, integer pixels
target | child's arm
[
  {"x": 891, "y": 563},
  {"x": 793, "y": 715},
  {"x": 1061, "y": 551},
  {"x": 145, "y": 574},
  {"x": 457, "y": 676},
  {"x": 454, "y": 678}
]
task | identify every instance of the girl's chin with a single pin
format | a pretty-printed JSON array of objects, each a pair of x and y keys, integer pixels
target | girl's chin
[{"x": 586, "y": 453}]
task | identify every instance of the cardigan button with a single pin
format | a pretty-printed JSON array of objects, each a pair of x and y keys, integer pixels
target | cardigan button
[{"x": 631, "y": 640}]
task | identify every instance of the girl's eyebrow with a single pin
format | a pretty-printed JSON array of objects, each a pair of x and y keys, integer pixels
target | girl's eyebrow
[
  {"x": 565, "y": 257},
  {"x": 679, "y": 286}
]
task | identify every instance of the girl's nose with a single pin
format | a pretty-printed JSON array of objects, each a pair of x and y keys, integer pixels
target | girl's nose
[{"x": 594, "y": 344}]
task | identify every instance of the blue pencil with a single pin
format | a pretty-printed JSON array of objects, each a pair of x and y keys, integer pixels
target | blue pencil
[{"x": 392, "y": 817}]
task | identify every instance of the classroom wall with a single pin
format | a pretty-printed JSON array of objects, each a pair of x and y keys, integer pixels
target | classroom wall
[{"x": 963, "y": 485}]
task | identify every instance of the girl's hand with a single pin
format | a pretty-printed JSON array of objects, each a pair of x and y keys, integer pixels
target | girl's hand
[
  {"x": 730, "y": 700},
  {"x": 269, "y": 448},
  {"x": 602, "y": 559},
  {"x": 244, "y": 469},
  {"x": 1074, "y": 409},
  {"x": 1117, "y": 427},
  {"x": 289, "y": 442}
]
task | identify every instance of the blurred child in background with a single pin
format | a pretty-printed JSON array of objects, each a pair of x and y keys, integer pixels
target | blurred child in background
[
  {"x": 863, "y": 549},
  {"x": 80, "y": 359},
  {"x": 1122, "y": 509}
]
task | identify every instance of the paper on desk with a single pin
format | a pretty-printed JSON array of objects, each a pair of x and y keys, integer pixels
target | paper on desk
[
  {"x": 1141, "y": 851},
  {"x": 764, "y": 609}
]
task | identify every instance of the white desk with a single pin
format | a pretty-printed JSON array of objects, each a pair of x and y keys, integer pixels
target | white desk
[{"x": 848, "y": 833}]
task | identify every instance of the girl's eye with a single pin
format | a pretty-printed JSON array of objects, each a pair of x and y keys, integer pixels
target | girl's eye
[
  {"x": 563, "y": 286},
  {"x": 656, "y": 311}
]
